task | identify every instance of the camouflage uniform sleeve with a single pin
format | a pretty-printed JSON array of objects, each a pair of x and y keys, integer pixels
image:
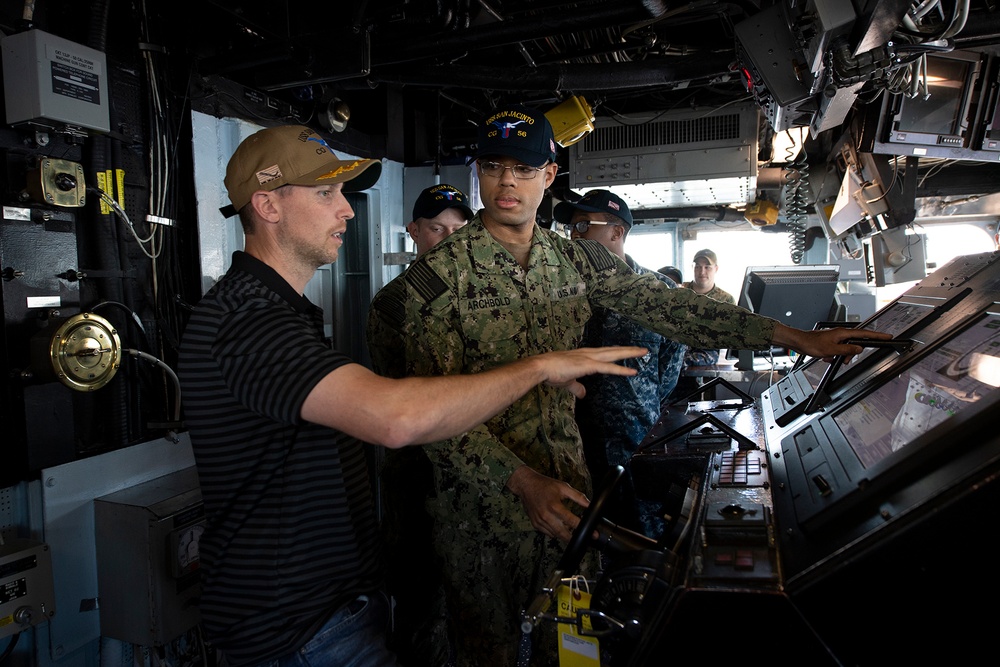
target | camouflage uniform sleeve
[
  {"x": 385, "y": 323},
  {"x": 432, "y": 337},
  {"x": 708, "y": 357},
  {"x": 679, "y": 314},
  {"x": 720, "y": 294}
]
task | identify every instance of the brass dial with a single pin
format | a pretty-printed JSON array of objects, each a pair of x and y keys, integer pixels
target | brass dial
[{"x": 85, "y": 352}]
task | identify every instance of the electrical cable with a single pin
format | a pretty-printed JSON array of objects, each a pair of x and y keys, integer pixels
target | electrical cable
[
  {"x": 796, "y": 204},
  {"x": 10, "y": 647},
  {"x": 120, "y": 212},
  {"x": 170, "y": 373}
]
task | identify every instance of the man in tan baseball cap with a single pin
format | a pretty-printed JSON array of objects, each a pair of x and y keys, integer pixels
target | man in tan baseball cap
[
  {"x": 292, "y": 155},
  {"x": 276, "y": 415}
]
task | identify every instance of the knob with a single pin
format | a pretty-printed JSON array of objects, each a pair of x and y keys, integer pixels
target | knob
[
  {"x": 64, "y": 181},
  {"x": 732, "y": 510},
  {"x": 23, "y": 616}
]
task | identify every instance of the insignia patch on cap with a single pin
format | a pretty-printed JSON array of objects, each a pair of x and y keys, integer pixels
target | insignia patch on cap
[
  {"x": 321, "y": 142},
  {"x": 339, "y": 170},
  {"x": 614, "y": 205},
  {"x": 270, "y": 174},
  {"x": 446, "y": 192}
]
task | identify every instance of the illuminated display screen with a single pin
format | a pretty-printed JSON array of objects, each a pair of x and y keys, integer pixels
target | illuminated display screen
[
  {"x": 955, "y": 375},
  {"x": 941, "y": 111},
  {"x": 894, "y": 320}
]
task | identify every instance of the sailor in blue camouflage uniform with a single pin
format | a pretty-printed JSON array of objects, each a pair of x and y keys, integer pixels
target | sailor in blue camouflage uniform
[
  {"x": 614, "y": 417},
  {"x": 501, "y": 288}
]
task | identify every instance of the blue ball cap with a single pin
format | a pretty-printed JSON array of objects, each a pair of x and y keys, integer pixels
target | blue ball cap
[
  {"x": 435, "y": 199},
  {"x": 595, "y": 201},
  {"x": 518, "y": 132}
]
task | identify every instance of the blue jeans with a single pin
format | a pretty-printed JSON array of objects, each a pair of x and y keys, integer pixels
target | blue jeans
[{"x": 354, "y": 636}]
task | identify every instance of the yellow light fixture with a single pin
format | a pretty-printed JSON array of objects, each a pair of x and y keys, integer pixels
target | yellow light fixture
[
  {"x": 761, "y": 213},
  {"x": 571, "y": 120}
]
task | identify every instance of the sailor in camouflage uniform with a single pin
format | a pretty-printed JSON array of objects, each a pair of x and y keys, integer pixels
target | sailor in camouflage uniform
[
  {"x": 501, "y": 288},
  {"x": 706, "y": 265},
  {"x": 614, "y": 417},
  {"x": 419, "y": 634},
  {"x": 438, "y": 211}
]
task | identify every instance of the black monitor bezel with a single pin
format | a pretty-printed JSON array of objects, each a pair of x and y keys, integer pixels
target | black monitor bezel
[
  {"x": 857, "y": 481},
  {"x": 745, "y": 302},
  {"x": 849, "y": 375},
  {"x": 959, "y": 135},
  {"x": 988, "y": 123},
  {"x": 797, "y": 385}
]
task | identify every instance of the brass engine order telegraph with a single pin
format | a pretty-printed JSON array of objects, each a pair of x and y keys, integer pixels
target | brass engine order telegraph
[{"x": 85, "y": 352}]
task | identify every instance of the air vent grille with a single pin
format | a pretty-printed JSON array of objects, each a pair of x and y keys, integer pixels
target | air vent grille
[
  {"x": 674, "y": 158},
  {"x": 622, "y": 136}
]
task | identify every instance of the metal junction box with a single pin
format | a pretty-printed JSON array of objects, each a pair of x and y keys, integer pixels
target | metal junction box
[
  {"x": 147, "y": 559},
  {"x": 51, "y": 82},
  {"x": 26, "y": 593}
]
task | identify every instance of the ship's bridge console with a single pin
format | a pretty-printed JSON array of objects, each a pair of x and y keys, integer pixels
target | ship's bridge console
[{"x": 844, "y": 516}]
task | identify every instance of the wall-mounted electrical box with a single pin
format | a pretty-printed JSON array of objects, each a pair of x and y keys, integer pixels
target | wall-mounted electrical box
[
  {"x": 147, "y": 558},
  {"x": 52, "y": 82},
  {"x": 26, "y": 593}
]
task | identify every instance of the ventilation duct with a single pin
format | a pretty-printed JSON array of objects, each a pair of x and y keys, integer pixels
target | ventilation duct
[{"x": 671, "y": 160}]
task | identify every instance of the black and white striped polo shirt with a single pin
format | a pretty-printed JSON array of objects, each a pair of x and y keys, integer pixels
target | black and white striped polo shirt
[{"x": 291, "y": 532}]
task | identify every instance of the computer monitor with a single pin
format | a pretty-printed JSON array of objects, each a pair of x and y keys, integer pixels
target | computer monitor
[
  {"x": 894, "y": 319},
  {"x": 939, "y": 386},
  {"x": 798, "y": 296},
  {"x": 949, "y": 121},
  {"x": 895, "y": 422},
  {"x": 942, "y": 117}
]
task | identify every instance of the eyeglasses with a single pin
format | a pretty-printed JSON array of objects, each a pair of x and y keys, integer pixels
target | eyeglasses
[
  {"x": 584, "y": 225},
  {"x": 524, "y": 172}
]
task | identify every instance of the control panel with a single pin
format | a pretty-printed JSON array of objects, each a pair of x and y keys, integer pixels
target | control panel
[{"x": 26, "y": 591}]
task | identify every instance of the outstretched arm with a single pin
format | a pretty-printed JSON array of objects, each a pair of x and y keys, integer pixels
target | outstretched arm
[
  {"x": 824, "y": 342},
  {"x": 418, "y": 410}
]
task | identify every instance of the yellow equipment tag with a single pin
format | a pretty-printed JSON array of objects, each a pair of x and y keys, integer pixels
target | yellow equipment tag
[{"x": 574, "y": 649}]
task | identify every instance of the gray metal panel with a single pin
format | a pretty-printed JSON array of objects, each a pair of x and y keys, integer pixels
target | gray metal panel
[
  {"x": 145, "y": 599},
  {"x": 68, "y": 492},
  {"x": 767, "y": 42},
  {"x": 53, "y": 81},
  {"x": 681, "y": 158},
  {"x": 213, "y": 142}
]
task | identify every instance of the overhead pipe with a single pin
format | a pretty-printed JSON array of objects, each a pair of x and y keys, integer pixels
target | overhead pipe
[
  {"x": 583, "y": 77},
  {"x": 714, "y": 213},
  {"x": 511, "y": 32},
  {"x": 388, "y": 49}
]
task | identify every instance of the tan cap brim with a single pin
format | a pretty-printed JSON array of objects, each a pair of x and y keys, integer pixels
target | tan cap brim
[{"x": 292, "y": 155}]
